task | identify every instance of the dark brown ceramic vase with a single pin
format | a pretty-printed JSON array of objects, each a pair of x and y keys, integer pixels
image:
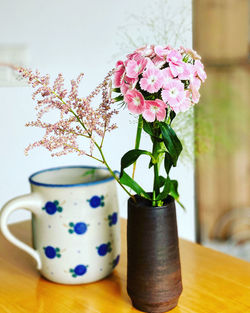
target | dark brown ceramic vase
[{"x": 154, "y": 273}]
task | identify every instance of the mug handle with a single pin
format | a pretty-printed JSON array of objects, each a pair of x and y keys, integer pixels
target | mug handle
[{"x": 31, "y": 202}]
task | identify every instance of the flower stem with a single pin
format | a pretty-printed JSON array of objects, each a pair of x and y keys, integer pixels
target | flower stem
[
  {"x": 137, "y": 139},
  {"x": 102, "y": 155}
]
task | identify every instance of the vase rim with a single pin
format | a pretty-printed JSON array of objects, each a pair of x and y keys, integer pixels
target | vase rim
[{"x": 147, "y": 203}]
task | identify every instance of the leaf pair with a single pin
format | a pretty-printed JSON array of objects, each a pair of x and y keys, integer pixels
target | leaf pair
[{"x": 128, "y": 159}]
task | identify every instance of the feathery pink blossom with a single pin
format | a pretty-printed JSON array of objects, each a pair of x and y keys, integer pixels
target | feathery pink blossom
[{"x": 77, "y": 116}]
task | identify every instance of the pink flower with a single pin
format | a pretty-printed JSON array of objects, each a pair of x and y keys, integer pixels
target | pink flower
[
  {"x": 166, "y": 76},
  {"x": 199, "y": 67},
  {"x": 146, "y": 51},
  {"x": 154, "y": 110},
  {"x": 160, "y": 55},
  {"x": 152, "y": 80},
  {"x": 135, "y": 67},
  {"x": 177, "y": 69},
  {"x": 135, "y": 101},
  {"x": 191, "y": 75},
  {"x": 183, "y": 105},
  {"x": 194, "y": 55},
  {"x": 195, "y": 93},
  {"x": 133, "y": 55},
  {"x": 162, "y": 52},
  {"x": 128, "y": 83},
  {"x": 174, "y": 57},
  {"x": 125, "y": 87},
  {"x": 176, "y": 64},
  {"x": 173, "y": 92},
  {"x": 119, "y": 73}
]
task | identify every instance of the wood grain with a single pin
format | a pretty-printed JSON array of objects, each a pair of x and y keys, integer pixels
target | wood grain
[
  {"x": 220, "y": 30},
  {"x": 212, "y": 283},
  {"x": 222, "y": 172}
]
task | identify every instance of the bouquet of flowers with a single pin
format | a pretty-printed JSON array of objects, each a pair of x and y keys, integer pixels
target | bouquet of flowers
[{"x": 156, "y": 83}]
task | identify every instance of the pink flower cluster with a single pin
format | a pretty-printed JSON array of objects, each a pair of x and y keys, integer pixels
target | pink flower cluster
[
  {"x": 154, "y": 78},
  {"x": 78, "y": 117}
]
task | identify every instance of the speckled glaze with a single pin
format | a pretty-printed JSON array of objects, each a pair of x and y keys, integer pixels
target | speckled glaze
[{"x": 75, "y": 223}]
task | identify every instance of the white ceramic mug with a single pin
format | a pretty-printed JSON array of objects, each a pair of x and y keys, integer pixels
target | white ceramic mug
[{"x": 75, "y": 223}]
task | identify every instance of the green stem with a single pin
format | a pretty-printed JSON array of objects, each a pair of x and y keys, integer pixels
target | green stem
[
  {"x": 111, "y": 172},
  {"x": 156, "y": 188},
  {"x": 137, "y": 140}
]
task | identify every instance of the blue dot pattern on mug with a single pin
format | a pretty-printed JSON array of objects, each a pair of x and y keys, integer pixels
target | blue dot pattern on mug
[
  {"x": 113, "y": 219},
  {"x": 96, "y": 202},
  {"x": 79, "y": 270},
  {"x": 52, "y": 207},
  {"x": 52, "y": 252},
  {"x": 79, "y": 228},
  {"x": 116, "y": 261},
  {"x": 104, "y": 248}
]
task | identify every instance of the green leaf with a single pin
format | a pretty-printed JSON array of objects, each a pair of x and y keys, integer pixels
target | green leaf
[
  {"x": 89, "y": 172},
  {"x": 128, "y": 181},
  {"x": 131, "y": 156},
  {"x": 150, "y": 164},
  {"x": 171, "y": 141},
  {"x": 118, "y": 90},
  {"x": 147, "y": 127},
  {"x": 166, "y": 189},
  {"x": 138, "y": 133},
  {"x": 168, "y": 162},
  {"x": 174, "y": 189},
  {"x": 172, "y": 116},
  {"x": 174, "y": 192},
  {"x": 162, "y": 181},
  {"x": 119, "y": 98},
  {"x": 177, "y": 200},
  {"x": 170, "y": 188}
]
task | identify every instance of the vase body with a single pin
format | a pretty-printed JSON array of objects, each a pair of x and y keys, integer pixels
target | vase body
[{"x": 154, "y": 273}]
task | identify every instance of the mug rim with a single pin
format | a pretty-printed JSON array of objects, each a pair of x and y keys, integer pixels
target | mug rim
[{"x": 33, "y": 182}]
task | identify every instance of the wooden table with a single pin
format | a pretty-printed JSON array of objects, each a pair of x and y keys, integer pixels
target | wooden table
[{"x": 213, "y": 283}]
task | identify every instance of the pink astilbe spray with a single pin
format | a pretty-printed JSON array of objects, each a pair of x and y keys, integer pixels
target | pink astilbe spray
[{"x": 78, "y": 117}]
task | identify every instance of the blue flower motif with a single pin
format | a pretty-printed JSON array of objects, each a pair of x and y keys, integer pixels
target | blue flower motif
[
  {"x": 104, "y": 248},
  {"x": 52, "y": 252},
  {"x": 96, "y": 201},
  {"x": 52, "y": 207},
  {"x": 79, "y": 270},
  {"x": 113, "y": 219},
  {"x": 116, "y": 261},
  {"x": 79, "y": 228}
]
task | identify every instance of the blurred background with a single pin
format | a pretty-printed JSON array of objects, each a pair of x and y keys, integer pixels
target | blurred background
[{"x": 89, "y": 36}]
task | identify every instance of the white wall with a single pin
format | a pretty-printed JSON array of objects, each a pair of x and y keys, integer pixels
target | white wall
[{"x": 71, "y": 37}]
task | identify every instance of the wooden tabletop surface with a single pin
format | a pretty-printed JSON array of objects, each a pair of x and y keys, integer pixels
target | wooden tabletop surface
[{"x": 212, "y": 283}]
